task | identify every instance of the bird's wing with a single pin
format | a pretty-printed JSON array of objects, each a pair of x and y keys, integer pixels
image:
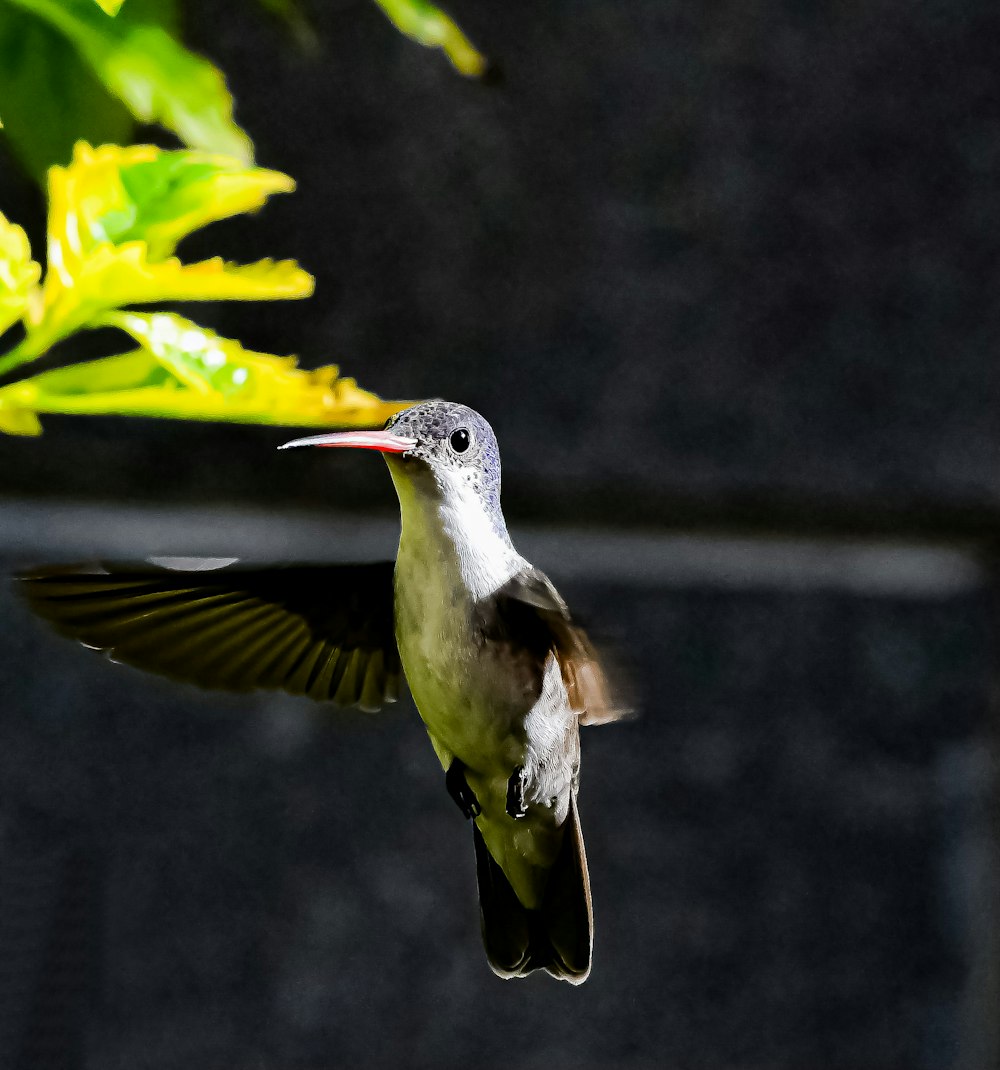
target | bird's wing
[
  {"x": 530, "y": 609},
  {"x": 323, "y": 631}
]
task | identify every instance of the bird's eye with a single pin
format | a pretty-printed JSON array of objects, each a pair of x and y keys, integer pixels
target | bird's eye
[{"x": 460, "y": 440}]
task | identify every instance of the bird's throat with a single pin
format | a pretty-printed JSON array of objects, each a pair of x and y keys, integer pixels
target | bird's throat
[{"x": 449, "y": 531}]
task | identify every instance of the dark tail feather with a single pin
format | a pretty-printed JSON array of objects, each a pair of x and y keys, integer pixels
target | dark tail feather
[{"x": 557, "y": 938}]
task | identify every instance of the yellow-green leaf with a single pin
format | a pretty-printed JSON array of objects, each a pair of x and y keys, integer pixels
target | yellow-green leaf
[
  {"x": 209, "y": 280},
  {"x": 113, "y": 276},
  {"x": 76, "y": 388},
  {"x": 114, "y": 194},
  {"x": 115, "y": 215},
  {"x": 19, "y": 274},
  {"x": 109, "y": 7},
  {"x": 234, "y": 383},
  {"x": 184, "y": 371},
  {"x": 18, "y": 421},
  {"x": 430, "y": 26},
  {"x": 154, "y": 75}
]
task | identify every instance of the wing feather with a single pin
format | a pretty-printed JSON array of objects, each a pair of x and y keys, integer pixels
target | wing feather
[
  {"x": 529, "y": 612},
  {"x": 326, "y": 631}
]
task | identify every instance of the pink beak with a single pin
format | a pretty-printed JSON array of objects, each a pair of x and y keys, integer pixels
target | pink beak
[{"x": 382, "y": 441}]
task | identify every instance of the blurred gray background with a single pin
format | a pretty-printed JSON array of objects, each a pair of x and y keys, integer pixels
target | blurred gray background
[{"x": 723, "y": 277}]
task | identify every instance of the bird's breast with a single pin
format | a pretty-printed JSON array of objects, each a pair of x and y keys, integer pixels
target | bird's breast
[{"x": 472, "y": 694}]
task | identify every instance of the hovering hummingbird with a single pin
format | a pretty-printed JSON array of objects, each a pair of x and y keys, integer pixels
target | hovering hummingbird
[{"x": 500, "y": 674}]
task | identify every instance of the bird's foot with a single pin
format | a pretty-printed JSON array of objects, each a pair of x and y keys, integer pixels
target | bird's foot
[
  {"x": 515, "y": 794},
  {"x": 459, "y": 790}
]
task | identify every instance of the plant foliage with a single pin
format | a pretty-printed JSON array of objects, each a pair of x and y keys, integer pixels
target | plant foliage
[
  {"x": 88, "y": 69},
  {"x": 81, "y": 72},
  {"x": 428, "y": 24},
  {"x": 130, "y": 67},
  {"x": 115, "y": 218}
]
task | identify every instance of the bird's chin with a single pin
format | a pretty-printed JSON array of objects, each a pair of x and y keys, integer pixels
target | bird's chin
[
  {"x": 409, "y": 463},
  {"x": 413, "y": 478}
]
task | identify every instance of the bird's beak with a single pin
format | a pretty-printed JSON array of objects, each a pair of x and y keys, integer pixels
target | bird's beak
[{"x": 382, "y": 441}]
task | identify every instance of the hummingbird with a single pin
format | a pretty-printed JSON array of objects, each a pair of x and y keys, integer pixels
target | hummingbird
[{"x": 500, "y": 674}]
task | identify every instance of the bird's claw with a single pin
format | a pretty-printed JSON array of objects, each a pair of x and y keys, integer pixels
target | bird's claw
[
  {"x": 515, "y": 794},
  {"x": 459, "y": 790}
]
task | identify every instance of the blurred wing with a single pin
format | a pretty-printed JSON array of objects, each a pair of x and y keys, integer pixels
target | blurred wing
[
  {"x": 530, "y": 608},
  {"x": 322, "y": 631}
]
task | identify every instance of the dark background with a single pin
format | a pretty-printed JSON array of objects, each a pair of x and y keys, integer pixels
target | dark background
[{"x": 723, "y": 271}]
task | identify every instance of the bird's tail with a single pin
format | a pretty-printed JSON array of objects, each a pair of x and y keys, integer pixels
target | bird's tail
[{"x": 559, "y": 936}]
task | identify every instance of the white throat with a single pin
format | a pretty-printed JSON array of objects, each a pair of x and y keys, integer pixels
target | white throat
[{"x": 454, "y": 533}]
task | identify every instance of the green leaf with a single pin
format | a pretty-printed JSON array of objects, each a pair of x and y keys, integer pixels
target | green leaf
[
  {"x": 15, "y": 421},
  {"x": 142, "y": 193},
  {"x": 79, "y": 388},
  {"x": 49, "y": 97},
  {"x": 164, "y": 13},
  {"x": 296, "y": 22},
  {"x": 114, "y": 216},
  {"x": 184, "y": 371},
  {"x": 127, "y": 371},
  {"x": 150, "y": 72},
  {"x": 109, "y": 7},
  {"x": 430, "y": 26},
  {"x": 19, "y": 274},
  {"x": 126, "y": 277}
]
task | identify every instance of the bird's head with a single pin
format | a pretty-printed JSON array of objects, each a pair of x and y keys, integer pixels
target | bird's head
[{"x": 437, "y": 450}]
